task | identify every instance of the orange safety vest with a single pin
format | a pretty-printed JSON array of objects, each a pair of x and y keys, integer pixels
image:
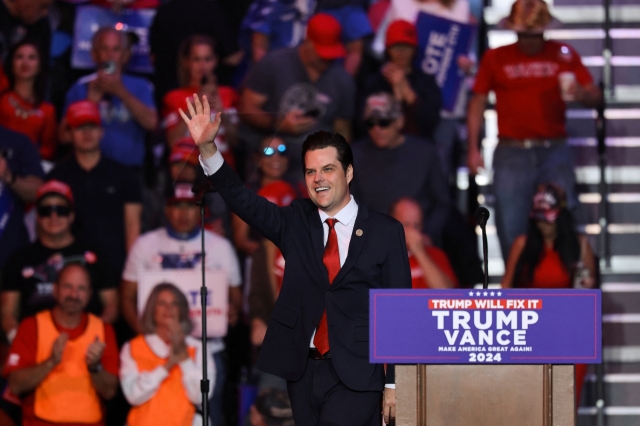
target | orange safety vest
[
  {"x": 170, "y": 405},
  {"x": 67, "y": 395}
]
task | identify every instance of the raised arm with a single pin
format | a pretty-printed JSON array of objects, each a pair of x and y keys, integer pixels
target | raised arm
[{"x": 265, "y": 216}]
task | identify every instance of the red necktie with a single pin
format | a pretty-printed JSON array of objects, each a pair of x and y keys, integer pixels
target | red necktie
[{"x": 331, "y": 260}]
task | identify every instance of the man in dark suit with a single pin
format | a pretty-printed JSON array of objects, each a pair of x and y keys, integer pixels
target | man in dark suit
[{"x": 336, "y": 251}]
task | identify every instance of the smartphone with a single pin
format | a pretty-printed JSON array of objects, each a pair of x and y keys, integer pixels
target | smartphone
[{"x": 109, "y": 67}]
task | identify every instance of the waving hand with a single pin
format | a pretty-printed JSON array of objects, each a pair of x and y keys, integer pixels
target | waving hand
[{"x": 202, "y": 129}]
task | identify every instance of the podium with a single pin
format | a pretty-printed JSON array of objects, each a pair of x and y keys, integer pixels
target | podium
[
  {"x": 498, "y": 360},
  {"x": 479, "y": 395}
]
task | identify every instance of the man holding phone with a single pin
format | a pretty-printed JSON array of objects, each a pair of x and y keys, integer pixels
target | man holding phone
[
  {"x": 296, "y": 91},
  {"x": 126, "y": 102}
]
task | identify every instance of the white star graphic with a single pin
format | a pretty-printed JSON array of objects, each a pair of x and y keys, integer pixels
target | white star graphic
[
  {"x": 485, "y": 294},
  {"x": 499, "y": 293},
  {"x": 477, "y": 293},
  {"x": 470, "y": 293},
  {"x": 493, "y": 293}
]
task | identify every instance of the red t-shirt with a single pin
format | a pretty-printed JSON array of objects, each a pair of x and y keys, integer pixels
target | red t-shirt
[
  {"x": 419, "y": 280},
  {"x": 528, "y": 99},
  {"x": 129, "y": 4},
  {"x": 23, "y": 354},
  {"x": 37, "y": 123},
  {"x": 282, "y": 194},
  {"x": 4, "y": 82},
  {"x": 176, "y": 99},
  {"x": 550, "y": 272}
]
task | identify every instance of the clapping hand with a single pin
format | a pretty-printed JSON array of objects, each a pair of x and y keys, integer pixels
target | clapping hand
[
  {"x": 202, "y": 129},
  {"x": 58, "y": 348},
  {"x": 178, "y": 351},
  {"x": 94, "y": 352}
]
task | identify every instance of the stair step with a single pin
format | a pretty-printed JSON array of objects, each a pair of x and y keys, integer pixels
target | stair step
[
  {"x": 621, "y": 301},
  {"x": 621, "y": 333}
]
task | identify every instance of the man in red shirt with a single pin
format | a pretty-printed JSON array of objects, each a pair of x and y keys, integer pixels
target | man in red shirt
[
  {"x": 533, "y": 79},
  {"x": 63, "y": 362},
  {"x": 430, "y": 267}
]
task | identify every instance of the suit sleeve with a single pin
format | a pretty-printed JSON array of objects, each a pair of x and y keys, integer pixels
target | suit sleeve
[
  {"x": 396, "y": 274},
  {"x": 257, "y": 211}
]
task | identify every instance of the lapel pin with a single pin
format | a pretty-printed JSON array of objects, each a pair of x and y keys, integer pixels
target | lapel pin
[{"x": 359, "y": 232}]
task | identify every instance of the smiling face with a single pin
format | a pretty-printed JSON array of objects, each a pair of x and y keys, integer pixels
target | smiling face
[
  {"x": 53, "y": 224},
  {"x": 273, "y": 162},
  {"x": 167, "y": 309},
  {"x": 327, "y": 182},
  {"x": 72, "y": 290},
  {"x": 26, "y": 63}
]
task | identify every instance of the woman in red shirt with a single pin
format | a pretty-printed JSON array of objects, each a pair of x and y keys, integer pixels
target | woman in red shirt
[
  {"x": 197, "y": 61},
  {"x": 551, "y": 254},
  {"x": 22, "y": 106}
]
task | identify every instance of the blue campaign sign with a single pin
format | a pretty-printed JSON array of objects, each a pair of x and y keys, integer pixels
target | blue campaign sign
[
  {"x": 90, "y": 18},
  {"x": 508, "y": 326},
  {"x": 440, "y": 42}
]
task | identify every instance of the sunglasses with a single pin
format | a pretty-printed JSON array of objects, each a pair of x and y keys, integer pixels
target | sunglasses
[
  {"x": 269, "y": 151},
  {"x": 383, "y": 123},
  {"x": 47, "y": 211}
]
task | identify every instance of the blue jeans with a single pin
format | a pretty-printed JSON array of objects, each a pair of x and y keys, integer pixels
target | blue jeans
[{"x": 517, "y": 172}]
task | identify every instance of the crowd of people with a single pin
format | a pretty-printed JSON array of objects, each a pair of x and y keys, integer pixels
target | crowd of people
[{"x": 101, "y": 187}]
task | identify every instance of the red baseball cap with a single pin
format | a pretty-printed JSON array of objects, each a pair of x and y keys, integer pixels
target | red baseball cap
[
  {"x": 182, "y": 193},
  {"x": 401, "y": 32},
  {"x": 184, "y": 151},
  {"x": 323, "y": 30},
  {"x": 83, "y": 112},
  {"x": 55, "y": 187}
]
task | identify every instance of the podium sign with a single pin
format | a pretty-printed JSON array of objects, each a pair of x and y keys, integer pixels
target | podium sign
[{"x": 505, "y": 326}]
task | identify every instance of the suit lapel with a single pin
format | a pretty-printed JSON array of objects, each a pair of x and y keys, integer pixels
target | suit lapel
[
  {"x": 356, "y": 244},
  {"x": 317, "y": 240}
]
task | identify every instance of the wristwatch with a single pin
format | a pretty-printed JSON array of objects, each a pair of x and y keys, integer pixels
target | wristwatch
[{"x": 95, "y": 368}]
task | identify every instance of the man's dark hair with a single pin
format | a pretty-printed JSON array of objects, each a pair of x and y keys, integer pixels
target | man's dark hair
[{"x": 321, "y": 140}]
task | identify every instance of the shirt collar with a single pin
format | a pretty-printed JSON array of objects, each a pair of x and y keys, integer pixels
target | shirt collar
[{"x": 345, "y": 215}]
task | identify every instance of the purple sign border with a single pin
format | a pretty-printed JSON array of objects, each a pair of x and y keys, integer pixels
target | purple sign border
[{"x": 510, "y": 293}]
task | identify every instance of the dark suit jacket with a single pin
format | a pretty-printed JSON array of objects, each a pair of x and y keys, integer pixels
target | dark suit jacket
[{"x": 376, "y": 259}]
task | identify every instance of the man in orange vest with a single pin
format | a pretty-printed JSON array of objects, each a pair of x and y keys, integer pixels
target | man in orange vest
[{"x": 63, "y": 362}]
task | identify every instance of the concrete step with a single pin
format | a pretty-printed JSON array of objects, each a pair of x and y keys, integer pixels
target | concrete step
[
  {"x": 615, "y": 416},
  {"x": 620, "y": 297},
  {"x": 619, "y": 334},
  {"x": 618, "y": 213}
]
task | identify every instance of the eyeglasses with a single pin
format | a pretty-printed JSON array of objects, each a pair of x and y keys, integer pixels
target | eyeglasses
[
  {"x": 382, "y": 123},
  {"x": 269, "y": 151},
  {"x": 47, "y": 211}
]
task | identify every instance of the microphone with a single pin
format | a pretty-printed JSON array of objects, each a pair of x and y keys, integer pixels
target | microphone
[{"x": 482, "y": 216}]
